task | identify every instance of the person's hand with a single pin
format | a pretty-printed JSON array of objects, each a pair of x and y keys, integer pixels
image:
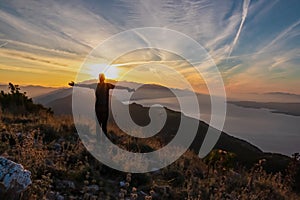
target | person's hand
[{"x": 71, "y": 83}]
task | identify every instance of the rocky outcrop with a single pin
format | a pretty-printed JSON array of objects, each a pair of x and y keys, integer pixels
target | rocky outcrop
[{"x": 13, "y": 178}]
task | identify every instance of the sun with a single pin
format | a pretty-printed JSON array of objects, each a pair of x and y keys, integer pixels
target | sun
[{"x": 110, "y": 71}]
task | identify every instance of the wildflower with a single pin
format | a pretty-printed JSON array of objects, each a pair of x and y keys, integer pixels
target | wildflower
[
  {"x": 121, "y": 195},
  {"x": 134, "y": 189},
  {"x": 152, "y": 192},
  {"x": 134, "y": 195},
  {"x": 148, "y": 197}
]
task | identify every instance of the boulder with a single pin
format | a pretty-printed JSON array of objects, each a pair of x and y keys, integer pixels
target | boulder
[{"x": 13, "y": 177}]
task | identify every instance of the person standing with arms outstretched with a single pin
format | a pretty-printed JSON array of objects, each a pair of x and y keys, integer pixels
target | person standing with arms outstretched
[{"x": 102, "y": 99}]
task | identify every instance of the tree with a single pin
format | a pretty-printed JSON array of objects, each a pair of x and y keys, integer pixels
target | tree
[{"x": 17, "y": 102}]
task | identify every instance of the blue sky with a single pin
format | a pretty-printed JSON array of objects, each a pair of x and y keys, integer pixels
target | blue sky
[{"x": 255, "y": 44}]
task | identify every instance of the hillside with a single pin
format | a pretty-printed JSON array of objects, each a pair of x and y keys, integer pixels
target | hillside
[
  {"x": 247, "y": 154},
  {"x": 61, "y": 167}
]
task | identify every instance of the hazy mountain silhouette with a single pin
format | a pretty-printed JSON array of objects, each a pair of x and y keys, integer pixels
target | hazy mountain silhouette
[
  {"x": 32, "y": 91},
  {"x": 283, "y": 108},
  {"x": 46, "y": 99},
  {"x": 284, "y": 94},
  {"x": 145, "y": 91}
]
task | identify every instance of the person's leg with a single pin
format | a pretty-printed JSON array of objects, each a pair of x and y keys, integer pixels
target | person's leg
[
  {"x": 102, "y": 117},
  {"x": 99, "y": 122},
  {"x": 104, "y": 122}
]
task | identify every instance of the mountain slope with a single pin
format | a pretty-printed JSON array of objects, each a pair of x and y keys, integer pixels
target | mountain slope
[
  {"x": 52, "y": 96},
  {"x": 246, "y": 153}
]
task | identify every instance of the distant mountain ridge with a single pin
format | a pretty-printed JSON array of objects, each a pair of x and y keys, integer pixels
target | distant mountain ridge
[
  {"x": 32, "y": 90},
  {"x": 282, "y": 108},
  {"x": 283, "y": 93},
  {"x": 47, "y": 98}
]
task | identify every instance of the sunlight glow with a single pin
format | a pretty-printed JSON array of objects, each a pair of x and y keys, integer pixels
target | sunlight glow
[{"x": 110, "y": 71}]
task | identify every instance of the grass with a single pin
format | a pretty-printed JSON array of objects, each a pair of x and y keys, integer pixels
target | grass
[{"x": 61, "y": 166}]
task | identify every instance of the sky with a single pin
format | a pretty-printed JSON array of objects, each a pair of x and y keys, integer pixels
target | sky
[{"x": 254, "y": 43}]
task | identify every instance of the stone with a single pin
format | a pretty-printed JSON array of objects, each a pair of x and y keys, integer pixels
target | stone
[
  {"x": 13, "y": 176},
  {"x": 65, "y": 184}
]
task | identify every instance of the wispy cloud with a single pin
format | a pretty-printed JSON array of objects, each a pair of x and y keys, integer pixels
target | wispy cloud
[
  {"x": 57, "y": 35},
  {"x": 280, "y": 36},
  {"x": 4, "y": 44},
  {"x": 50, "y": 24},
  {"x": 244, "y": 16}
]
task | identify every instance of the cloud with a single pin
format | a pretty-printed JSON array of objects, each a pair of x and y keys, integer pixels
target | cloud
[
  {"x": 37, "y": 50},
  {"x": 56, "y": 36},
  {"x": 51, "y": 24},
  {"x": 4, "y": 44},
  {"x": 16, "y": 59},
  {"x": 244, "y": 16},
  {"x": 280, "y": 37}
]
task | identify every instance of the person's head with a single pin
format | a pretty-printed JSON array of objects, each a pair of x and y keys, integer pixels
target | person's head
[{"x": 101, "y": 77}]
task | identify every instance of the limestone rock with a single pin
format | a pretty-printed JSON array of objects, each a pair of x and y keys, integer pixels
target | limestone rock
[{"x": 13, "y": 176}]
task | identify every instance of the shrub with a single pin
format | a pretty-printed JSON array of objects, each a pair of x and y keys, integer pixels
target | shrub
[{"x": 17, "y": 103}]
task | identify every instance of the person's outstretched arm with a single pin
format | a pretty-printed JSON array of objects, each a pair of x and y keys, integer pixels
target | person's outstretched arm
[
  {"x": 112, "y": 86},
  {"x": 124, "y": 88},
  {"x": 91, "y": 86}
]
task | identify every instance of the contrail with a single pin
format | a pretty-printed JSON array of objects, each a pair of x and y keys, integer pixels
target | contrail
[
  {"x": 280, "y": 36},
  {"x": 244, "y": 15}
]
